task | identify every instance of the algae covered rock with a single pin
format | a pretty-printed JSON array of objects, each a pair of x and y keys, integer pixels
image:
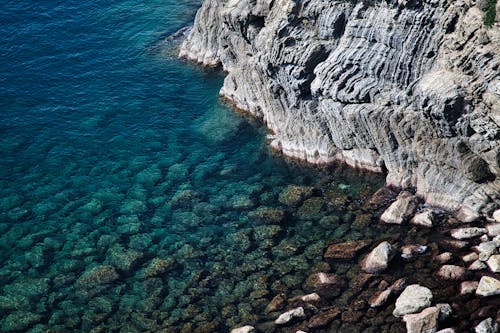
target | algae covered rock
[
  {"x": 98, "y": 275},
  {"x": 294, "y": 195},
  {"x": 267, "y": 215}
]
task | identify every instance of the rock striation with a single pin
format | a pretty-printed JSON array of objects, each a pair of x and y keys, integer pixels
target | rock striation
[{"x": 411, "y": 88}]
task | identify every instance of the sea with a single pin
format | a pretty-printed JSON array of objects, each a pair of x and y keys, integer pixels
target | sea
[{"x": 132, "y": 199}]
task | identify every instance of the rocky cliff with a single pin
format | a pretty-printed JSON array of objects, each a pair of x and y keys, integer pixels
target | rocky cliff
[{"x": 407, "y": 87}]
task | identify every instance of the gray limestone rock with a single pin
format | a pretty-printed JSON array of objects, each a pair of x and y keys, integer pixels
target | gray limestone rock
[
  {"x": 413, "y": 299},
  {"x": 411, "y": 88}
]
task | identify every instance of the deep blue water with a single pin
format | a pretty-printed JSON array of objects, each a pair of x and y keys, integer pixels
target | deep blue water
[{"x": 129, "y": 192}]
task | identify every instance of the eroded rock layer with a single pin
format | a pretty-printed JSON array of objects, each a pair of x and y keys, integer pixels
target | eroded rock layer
[{"x": 407, "y": 87}]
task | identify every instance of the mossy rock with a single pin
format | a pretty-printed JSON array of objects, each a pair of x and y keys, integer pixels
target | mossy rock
[
  {"x": 311, "y": 209},
  {"x": 294, "y": 195}
]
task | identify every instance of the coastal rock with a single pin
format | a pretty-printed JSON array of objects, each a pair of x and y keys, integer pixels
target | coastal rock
[
  {"x": 409, "y": 252},
  {"x": 413, "y": 299},
  {"x": 493, "y": 229},
  {"x": 477, "y": 266},
  {"x": 425, "y": 321},
  {"x": 494, "y": 263},
  {"x": 486, "y": 326},
  {"x": 346, "y": 250},
  {"x": 443, "y": 258},
  {"x": 345, "y": 81},
  {"x": 451, "y": 272},
  {"x": 496, "y": 215},
  {"x": 286, "y": 317},
  {"x": 424, "y": 219},
  {"x": 488, "y": 286},
  {"x": 486, "y": 250},
  {"x": 243, "y": 329},
  {"x": 470, "y": 257},
  {"x": 468, "y": 287},
  {"x": 378, "y": 259},
  {"x": 467, "y": 233},
  {"x": 401, "y": 210},
  {"x": 445, "y": 311}
]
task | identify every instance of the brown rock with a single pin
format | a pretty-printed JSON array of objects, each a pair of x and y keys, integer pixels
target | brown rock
[
  {"x": 425, "y": 321},
  {"x": 379, "y": 298},
  {"x": 322, "y": 281},
  {"x": 346, "y": 250},
  {"x": 399, "y": 285},
  {"x": 381, "y": 198},
  {"x": 276, "y": 304},
  {"x": 323, "y": 318},
  {"x": 468, "y": 287},
  {"x": 443, "y": 258},
  {"x": 454, "y": 244}
]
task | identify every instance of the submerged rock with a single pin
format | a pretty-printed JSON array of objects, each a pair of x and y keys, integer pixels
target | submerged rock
[
  {"x": 276, "y": 304},
  {"x": 413, "y": 299},
  {"x": 321, "y": 282},
  {"x": 97, "y": 275},
  {"x": 324, "y": 318},
  {"x": 294, "y": 195},
  {"x": 346, "y": 250}
]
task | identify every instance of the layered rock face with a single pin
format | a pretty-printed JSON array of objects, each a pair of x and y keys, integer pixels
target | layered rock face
[{"x": 411, "y": 88}]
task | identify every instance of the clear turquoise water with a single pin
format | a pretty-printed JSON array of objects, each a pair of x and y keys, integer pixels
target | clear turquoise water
[{"x": 127, "y": 188}]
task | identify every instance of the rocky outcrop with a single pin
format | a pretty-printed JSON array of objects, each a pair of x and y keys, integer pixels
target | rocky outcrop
[{"x": 411, "y": 88}]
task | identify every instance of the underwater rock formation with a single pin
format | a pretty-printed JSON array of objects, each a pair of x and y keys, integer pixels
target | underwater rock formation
[{"x": 411, "y": 88}]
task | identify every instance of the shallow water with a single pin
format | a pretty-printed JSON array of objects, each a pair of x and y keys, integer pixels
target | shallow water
[{"x": 132, "y": 199}]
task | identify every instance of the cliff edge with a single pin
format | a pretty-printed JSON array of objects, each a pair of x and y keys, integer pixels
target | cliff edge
[{"x": 411, "y": 88}]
